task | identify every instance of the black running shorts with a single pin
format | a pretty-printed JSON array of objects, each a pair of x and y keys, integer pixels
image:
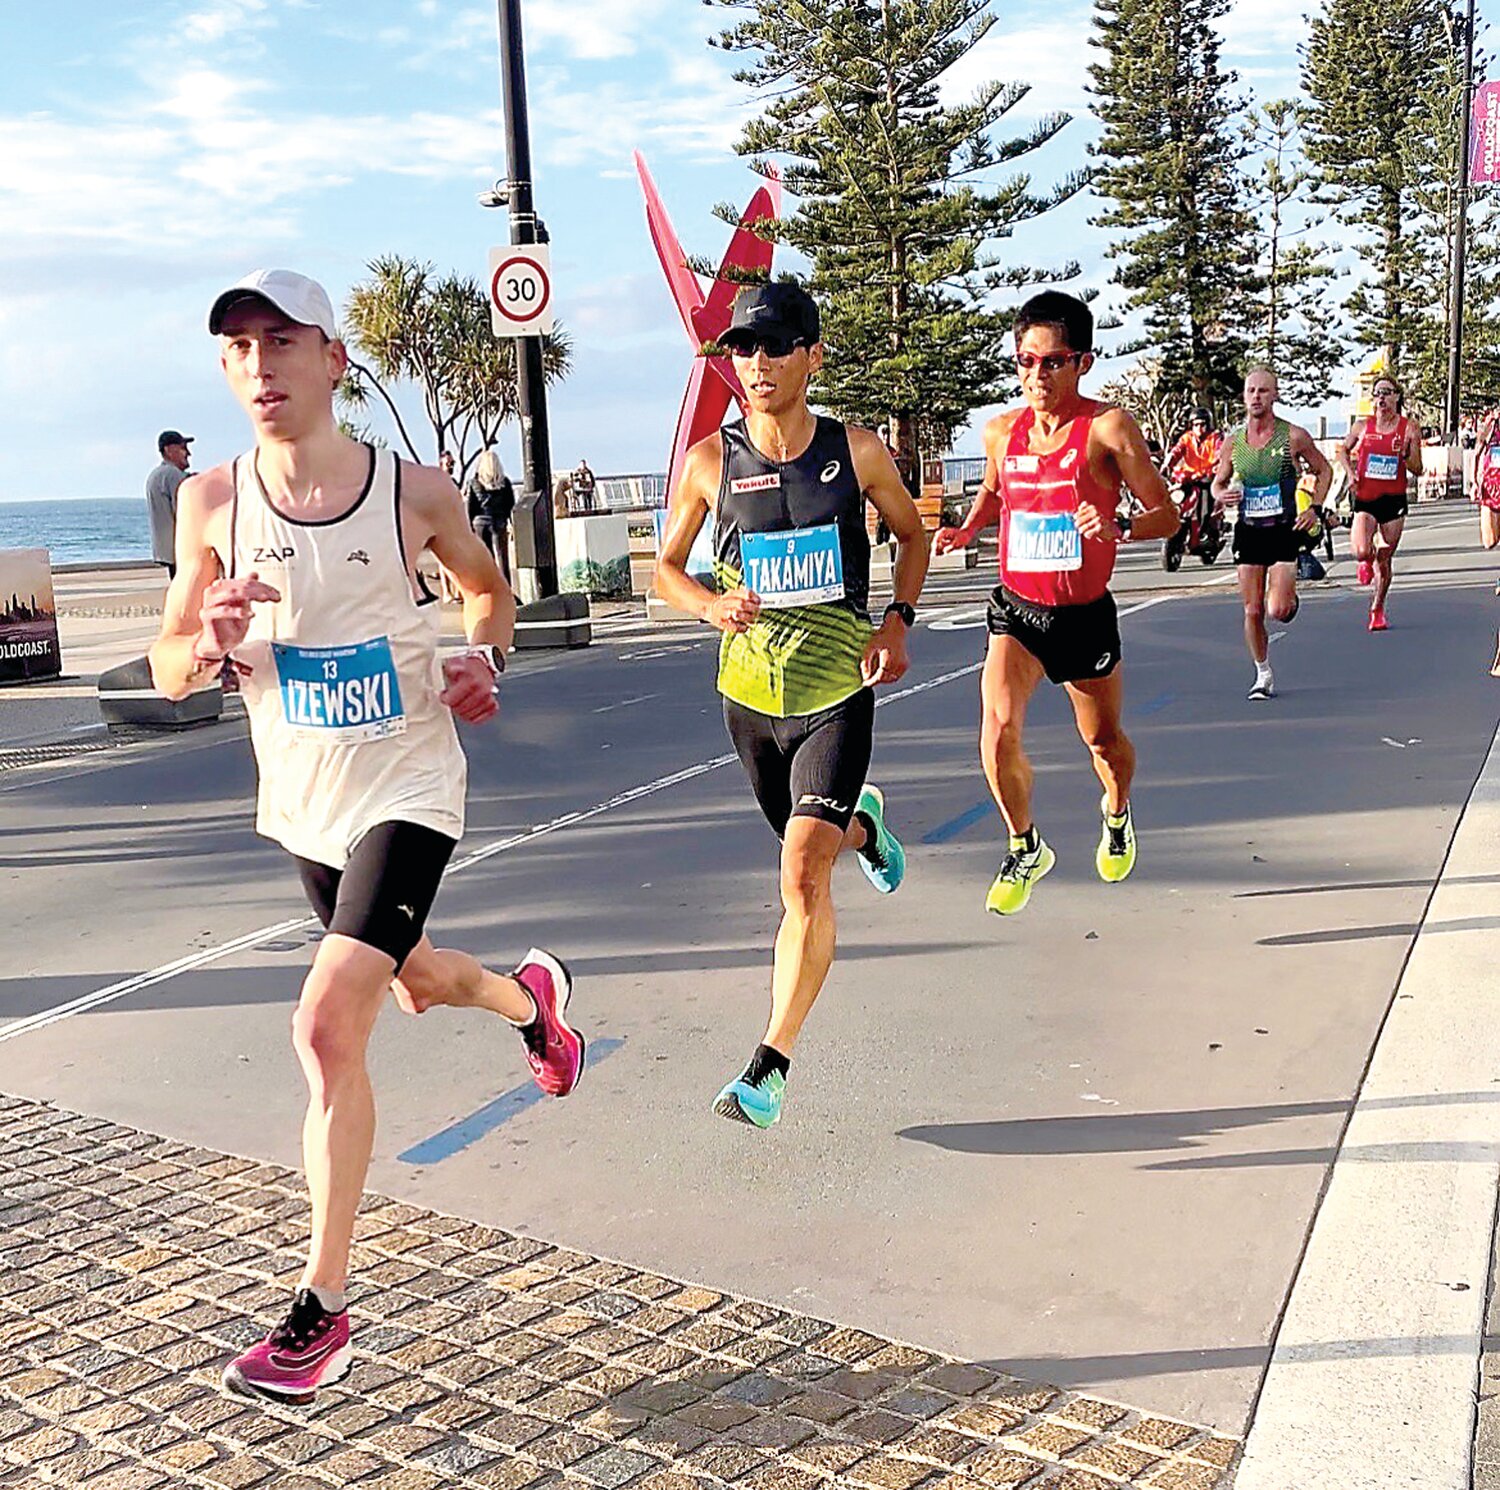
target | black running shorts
[
  {"x": 1074, "y": 643},
  {"x": 1385, "y": 509},
  {"x": 383, "y": 895},
  {"x": 1275, "y": 543},
  {"x": 806, "y": 765}
]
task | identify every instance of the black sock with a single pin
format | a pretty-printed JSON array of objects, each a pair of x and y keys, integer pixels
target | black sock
[
  {"x": 1028, "y": 840},
  {"x": 872, "y": 835},
  {"x": 765, "y": 1060}
]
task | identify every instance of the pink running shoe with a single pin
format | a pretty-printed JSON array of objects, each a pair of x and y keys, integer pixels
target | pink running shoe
[
  {"x": 307, "y": 1350},
  {"x": 1364, "y": 571},
  {"x": 554, "y": 1049},
  {"x": 1377, "y": 620}
]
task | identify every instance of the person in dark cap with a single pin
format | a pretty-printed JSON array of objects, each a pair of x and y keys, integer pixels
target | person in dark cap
[
  {"x": 161, "y": 496},
  {"x": 799, "y": 655}
]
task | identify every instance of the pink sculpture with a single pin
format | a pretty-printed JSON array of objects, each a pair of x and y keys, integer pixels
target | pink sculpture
[{"x": 712, "y": 383}]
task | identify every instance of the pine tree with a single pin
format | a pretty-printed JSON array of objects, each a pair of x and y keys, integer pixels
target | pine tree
[
  {"x": 1365, "y": 68},
  {"x": 1297, "y": 327},
  {"x": 897, "y": 205},
  {"x": 1170, "y": 165}
]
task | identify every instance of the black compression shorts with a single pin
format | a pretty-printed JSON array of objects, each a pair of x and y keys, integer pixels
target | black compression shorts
[
  {"x": 806, "y": 765},
  {"x": 383, "y": 895},
  {"x": 1072, "y": 642},
  {"x": 1384, "y": 509}
]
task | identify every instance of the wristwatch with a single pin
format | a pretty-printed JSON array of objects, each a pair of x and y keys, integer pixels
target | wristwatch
[
  {"x": 487, "y": 652},
  {"x": 900, "y": 608}
]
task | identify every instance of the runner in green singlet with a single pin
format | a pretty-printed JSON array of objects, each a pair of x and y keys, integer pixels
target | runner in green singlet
[{"x": 1264, "y": 459}]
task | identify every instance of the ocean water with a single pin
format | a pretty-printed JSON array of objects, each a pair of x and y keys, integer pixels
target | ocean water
[{"x": 86, "y": 530}]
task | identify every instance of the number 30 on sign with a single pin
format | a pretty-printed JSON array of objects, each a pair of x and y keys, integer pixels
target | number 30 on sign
[{"x": 521, "y": 290}]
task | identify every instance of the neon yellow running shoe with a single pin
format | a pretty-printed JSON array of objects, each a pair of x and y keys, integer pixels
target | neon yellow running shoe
[
  {"x": 1115, "y": 857},
  {"x": 1019, "y": 871}
]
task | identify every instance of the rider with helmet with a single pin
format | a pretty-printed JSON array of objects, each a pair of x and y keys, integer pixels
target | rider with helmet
[{"x": 1190, "y": 465}]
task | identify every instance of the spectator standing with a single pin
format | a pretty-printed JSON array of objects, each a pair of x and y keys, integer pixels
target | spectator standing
[
  {"x": 491, "y": 500},
  {"x": 161, "y": 496},
  {"x": 583, "y": 488}
]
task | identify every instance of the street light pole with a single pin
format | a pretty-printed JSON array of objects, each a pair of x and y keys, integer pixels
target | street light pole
[
  {"x": 1451, "y": 410},
  {"x": 535, "y": 547}
]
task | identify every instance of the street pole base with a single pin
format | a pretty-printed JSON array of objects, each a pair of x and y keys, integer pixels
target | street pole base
[{"x": 556, "y": 621}]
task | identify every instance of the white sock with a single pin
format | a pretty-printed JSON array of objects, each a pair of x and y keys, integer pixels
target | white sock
[
  {"x": 332, "y": 1299},
  {"x": 1263, "y": 672}
]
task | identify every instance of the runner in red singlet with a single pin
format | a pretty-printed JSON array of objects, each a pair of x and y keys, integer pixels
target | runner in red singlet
[
  {"x": 1486, "y": 493},
  {"x": 1053, "y": 476},
  {"x": 1377, "y": 455}
]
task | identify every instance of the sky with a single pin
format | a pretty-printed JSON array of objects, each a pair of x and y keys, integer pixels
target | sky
[{"x": 153, "y": 153}]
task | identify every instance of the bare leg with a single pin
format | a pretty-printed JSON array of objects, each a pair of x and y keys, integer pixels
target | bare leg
[
  {"x": 433, "y": 976},
  {"x": 330, "y": 1031},
  {"x": 805, "y": 940},
  {"x": 1489, "y": 526},
  {"x": 1362, "y": 538},
  {"x": 1281, "y": 593},
  {"x": 1253, "y": 595},
  {"x": 1096, "y": 710},
  {"x": 1010, "y": 677},
  {"x": 1385, "y": 554}
]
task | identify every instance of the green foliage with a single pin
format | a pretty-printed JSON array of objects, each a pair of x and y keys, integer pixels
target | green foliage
[
  {"x": 1297, "y": 328},
  {"x": 431, "y": 332},
  {"x": 1368, "y": 131},
  {"x": 1170, "y": 166},
  {"x": 898, "y": 205}
]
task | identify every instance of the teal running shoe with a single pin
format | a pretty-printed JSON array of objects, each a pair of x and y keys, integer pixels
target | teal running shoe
[
  {"x": 882, "y": 859},
  {"x": 757, "y": 1103}
]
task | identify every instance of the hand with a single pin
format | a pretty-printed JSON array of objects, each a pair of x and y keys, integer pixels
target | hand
[
  {"x": 471, "y": 689},
  {"x": 885, "y": 658},
  {"x": 948, "y": 539},
  {"x": 1092, "y": 523},
  {"x": 1307, "y": 521},
  {"x": 225, "y": 615},
  {"x": 734, "y": 611}
]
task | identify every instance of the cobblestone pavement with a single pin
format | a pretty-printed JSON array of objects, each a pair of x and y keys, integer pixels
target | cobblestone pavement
[{"x": 132, "y": 1265}]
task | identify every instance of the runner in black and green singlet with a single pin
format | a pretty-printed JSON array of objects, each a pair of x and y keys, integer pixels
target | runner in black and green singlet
[
  {"x": 799, "y": 657},
  {"x": 1263, "y": 462}
]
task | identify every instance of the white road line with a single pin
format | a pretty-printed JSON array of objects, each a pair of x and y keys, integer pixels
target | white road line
[
  {"x": 1373, "y": 1377},
  {"x": 625, "y": 703},
  {"x": 182, "y": 965}
]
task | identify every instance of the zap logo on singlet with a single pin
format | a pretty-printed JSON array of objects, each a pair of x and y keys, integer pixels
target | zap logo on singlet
[
  {"x": 1043, "y": 543},
  {"x": 802, "y": 566},
  {"x": 341, "y": 695}
]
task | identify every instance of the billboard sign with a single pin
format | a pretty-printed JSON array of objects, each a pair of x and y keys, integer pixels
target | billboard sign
[
  {"x": 29, "y": 646},
  {"x": 1484, "y": 164}
]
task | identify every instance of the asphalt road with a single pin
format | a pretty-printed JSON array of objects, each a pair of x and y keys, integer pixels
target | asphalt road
[{"x": 1085, "y": 1143}]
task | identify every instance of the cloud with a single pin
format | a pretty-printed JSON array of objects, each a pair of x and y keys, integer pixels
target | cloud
[{"x": 222, "y": 18}]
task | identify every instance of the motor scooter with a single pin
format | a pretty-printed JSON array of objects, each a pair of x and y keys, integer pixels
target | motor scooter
[{"x": 1202, "y": 530}]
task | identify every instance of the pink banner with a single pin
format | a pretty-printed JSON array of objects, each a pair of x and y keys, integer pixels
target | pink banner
[{"x": 1484, "y": 165}]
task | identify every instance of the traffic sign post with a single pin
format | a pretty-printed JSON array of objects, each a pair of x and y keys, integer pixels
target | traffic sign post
[{"x": 521, "y": 289}]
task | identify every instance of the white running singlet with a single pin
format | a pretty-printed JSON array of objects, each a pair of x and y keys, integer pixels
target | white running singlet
[{"x": 343, "y": 683}]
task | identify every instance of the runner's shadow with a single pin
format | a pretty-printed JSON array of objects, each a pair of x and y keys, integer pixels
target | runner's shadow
[{"x": 1365, "y": 933}]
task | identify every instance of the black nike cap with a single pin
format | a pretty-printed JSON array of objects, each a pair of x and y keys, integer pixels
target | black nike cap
[{"x": 777, "y": 309}]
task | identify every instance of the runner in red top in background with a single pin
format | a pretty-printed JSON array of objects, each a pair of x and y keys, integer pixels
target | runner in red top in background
[
  {"x": 1053, "y": 476},
  {"x": 1377, "y": 455}
]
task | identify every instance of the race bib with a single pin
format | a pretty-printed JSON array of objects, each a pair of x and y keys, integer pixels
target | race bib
[
  {"x": 1043, "y": 543},
  {"x": 801, "y": 566},
  {"x": 1383, "y": 467},
  {"x": 1262, "y": 503},
  {"x": 341, "y": 695}
]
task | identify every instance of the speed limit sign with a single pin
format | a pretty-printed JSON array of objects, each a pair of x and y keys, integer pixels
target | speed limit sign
[{"x": 521, "y": 289}]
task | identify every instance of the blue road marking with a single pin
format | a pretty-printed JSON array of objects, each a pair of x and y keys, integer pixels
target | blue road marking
[
  {"x": 1157, "y": 704},
  {"x": 956, "y": 825},
  {"x": 467, "y": 1131}
]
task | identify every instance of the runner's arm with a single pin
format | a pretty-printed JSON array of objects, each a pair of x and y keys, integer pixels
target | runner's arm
[
  {"x": 691, "y": 505},
  {"x": 1224, "y": 475},
  {"x": 1303, "y": 449},
  {"x": 986, "y": 506},
  {"x": 1414, "y": 449},
  {"x": 882, "y": 484},
  {"x": 175, "y": 670},
  {"x": 1345, "y": 451},
  {"x": 1125, "y": 448},
  {"x": 437, "y": 510}
]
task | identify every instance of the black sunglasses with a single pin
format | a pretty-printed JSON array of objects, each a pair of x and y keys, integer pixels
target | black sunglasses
[
  {"x": 771, "y": 345},
  {"x": 1054, "y": 363}
]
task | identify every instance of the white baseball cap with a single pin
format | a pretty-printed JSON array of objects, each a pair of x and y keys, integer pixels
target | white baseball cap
[{"x": 302, "y": 299}]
